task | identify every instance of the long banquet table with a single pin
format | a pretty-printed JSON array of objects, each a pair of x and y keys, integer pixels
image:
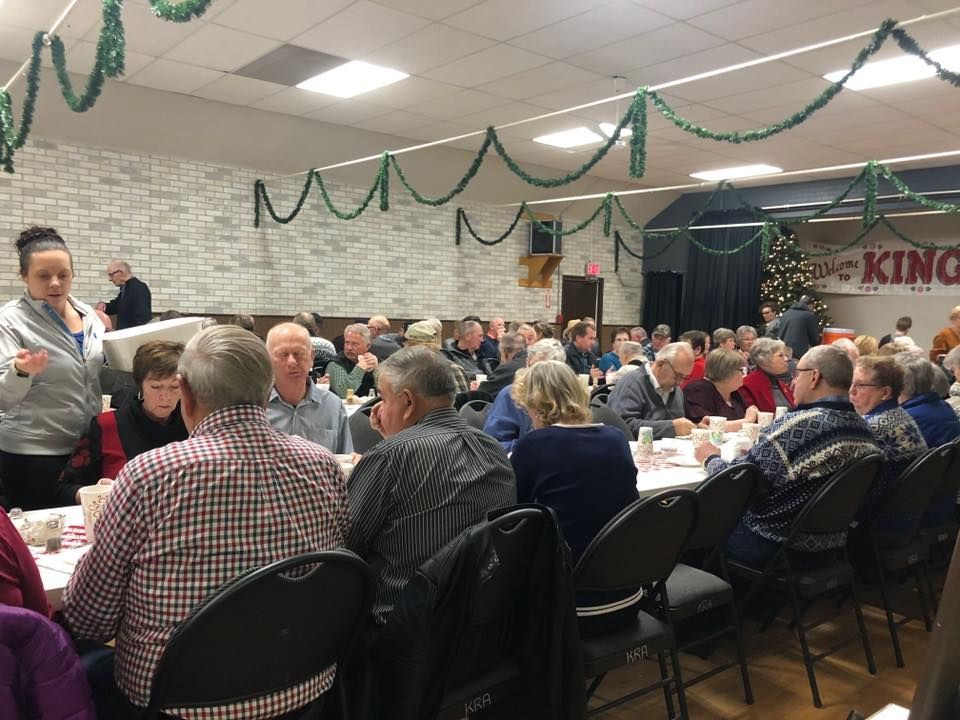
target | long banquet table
[{"x": 664, "y": 472}]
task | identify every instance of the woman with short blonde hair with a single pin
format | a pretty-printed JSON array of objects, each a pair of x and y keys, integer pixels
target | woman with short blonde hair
[{"x": 584, "y": 471}]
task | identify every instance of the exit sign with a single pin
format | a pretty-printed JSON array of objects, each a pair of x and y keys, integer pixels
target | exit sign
[{"x": 593, "y": 269}]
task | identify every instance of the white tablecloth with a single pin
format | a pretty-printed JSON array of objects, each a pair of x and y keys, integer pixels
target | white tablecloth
[{"x": 56, "y": 568}]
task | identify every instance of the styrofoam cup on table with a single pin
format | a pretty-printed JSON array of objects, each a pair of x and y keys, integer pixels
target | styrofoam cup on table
[{"x": 93, "y": 498}]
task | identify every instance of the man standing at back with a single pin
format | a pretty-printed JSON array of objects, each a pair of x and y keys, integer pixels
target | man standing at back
[
  {"x": 799, "y": 328},
  {"x": 431, "y": 478},
  {"x": 383, "y": 342},
  {"x": 133, "y": 305},
  {"x": 187, "y": 518}
]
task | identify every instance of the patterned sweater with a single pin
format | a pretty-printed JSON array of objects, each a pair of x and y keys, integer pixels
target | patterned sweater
[
  {"x": 796, "y": 455},
  {"x": 900, "y": 442}
]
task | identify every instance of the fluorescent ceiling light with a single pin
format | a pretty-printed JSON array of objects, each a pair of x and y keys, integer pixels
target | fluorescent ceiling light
[
  {"x": 570, "y": 138},
  {"x": 608, "y": 128},
  {"x": 741, "y": 171},
  {"x": 352, "y": 78},
  {"x": 898, "y": 70}
]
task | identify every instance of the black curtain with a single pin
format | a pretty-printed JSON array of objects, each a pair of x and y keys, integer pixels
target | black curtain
[
  {"x": 662, "y": 299},
  {"x": 722, "y": 290}
]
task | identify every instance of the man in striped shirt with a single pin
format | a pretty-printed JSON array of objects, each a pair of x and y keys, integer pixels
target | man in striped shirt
[
  {"x": 429, "y": 480},
  {"x": 187, "y": 518}
]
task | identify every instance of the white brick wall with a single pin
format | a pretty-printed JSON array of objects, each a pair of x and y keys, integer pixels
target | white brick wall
[{"x": 187, "y": 229}]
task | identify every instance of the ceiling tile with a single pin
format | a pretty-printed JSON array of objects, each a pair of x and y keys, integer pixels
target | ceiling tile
[
  {"x": 238, "y": 90},
  {"x": 543, "y": 79},
  {"x": 489, "y": 64},
  {"x": 262, "y": 18},
  {"x": 799, "y": 92},
  {"x": 16, "y": 44},
  {"x": 81, "y": 56},
  {"x": 429, "y": 8},
  {"x": 581, "y": 94},
  {"x": 440, "y": 131},
  {"x": 505, "y": 19},
  {"x": 650, "y": 48},
  {"x": 752, "y": 17},
  {"x": 501, "y": 115},
  {"x": 360, "y": 29},
  {"x": 431, "y": 47},
  {"x": 146, "y": 33},
  {"x": 40, "y": 15},
  {"x": 459, "y": 104},
  {"x": 173, "y": 76},
  {"x": 395, "y": 122},
  {"x": 221, "y": 48},
  {"x": 294, "y": 101},
  {"x": 684, "y": 9},
  {"x": 410, "y": 92},
  {"x": 693, "y": 64},
  {"x": 598, "y": 27},
  {"x": 760, "y": 76},
  {"x": 348, "y": 112}
]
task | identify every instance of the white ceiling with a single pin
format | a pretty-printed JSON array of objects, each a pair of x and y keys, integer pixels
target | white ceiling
[{"x": 479, "y": 62}]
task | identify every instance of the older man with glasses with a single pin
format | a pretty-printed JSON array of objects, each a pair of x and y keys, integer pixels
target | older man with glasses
[
  {"x": 133, "y": 304},
  {"x": 652, "y": 397}
]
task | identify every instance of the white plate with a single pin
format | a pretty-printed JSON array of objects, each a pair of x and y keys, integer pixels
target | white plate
[{"x": 682, "y": 461}]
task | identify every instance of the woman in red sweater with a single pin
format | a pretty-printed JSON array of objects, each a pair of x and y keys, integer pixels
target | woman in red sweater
[
  {"x": 763, "y": 387},
  {"x": 20, "y": 584}
]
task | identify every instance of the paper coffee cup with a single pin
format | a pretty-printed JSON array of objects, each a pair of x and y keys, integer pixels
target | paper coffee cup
[
  {"x": 781, "y": 411},
  {"x": 584, "y": 379},
  {"x": 699, "y": 436},
  {"x": 481, "y": 378},
  {"x": 752, "y": 431},
  {"x": 105, "y": 403},
  {"x": 717, "y": 425},
  {"x": 93, "y": 498},
  {"x": 764, "y": 419}
]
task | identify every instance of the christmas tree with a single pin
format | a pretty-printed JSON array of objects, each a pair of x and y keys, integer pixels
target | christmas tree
[{"x": 786, "y": 275}]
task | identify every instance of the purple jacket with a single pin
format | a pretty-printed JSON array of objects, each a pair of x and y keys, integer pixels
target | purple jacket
[{"x": 40, "y": 673}]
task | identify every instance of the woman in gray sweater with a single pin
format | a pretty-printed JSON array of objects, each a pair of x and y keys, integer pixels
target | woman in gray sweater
[{"x": 51, "y": 352}]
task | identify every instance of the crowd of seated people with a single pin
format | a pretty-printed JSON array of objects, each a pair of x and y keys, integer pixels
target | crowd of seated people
[{"x": 225, "y": 440}]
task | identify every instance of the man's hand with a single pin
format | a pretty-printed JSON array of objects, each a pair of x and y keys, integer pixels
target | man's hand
[
  {"x": 375, "y": 418},
  {"x": 705, "y": 451},
  {"x": 751, "y": 414},
  {"x": 682, "y": 426},
  {"x": 596, "y": 374},
  {"x": 31, "y": 363},
  {"x": 368, "y": 362},
  {"x": 101, "y": 306}
]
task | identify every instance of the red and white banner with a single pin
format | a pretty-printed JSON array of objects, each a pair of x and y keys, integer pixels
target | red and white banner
[{"x": 886, "y": 269}]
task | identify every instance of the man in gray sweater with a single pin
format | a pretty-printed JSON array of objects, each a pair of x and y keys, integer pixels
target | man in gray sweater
[{"x": 652, "y": 397}]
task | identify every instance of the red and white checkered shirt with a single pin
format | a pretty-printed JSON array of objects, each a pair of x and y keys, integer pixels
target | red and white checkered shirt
[{"x": 187, "y": 518}]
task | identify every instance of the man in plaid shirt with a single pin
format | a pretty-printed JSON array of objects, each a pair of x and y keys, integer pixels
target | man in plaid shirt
[{"x": 187, "y": 518}]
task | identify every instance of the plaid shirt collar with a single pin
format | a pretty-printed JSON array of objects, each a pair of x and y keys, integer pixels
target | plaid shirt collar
[{"x": 228, "y": 417}]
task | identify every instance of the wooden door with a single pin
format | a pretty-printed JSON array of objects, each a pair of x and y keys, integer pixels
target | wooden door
[{"x": 581, "y": 297}]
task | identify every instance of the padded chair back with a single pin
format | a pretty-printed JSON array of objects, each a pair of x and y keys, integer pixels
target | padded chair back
[
  {"x": 833, "y": 507},
  {"x": 640, "y": 545},
  {"x": 603, "y": 414},
  {"x": 368, "y": 405},
  {"x": 475, "y": 413},
  {"x": 724, "y": 498},
  {"x": 265, "y": 631},
  {"x": 489, "y": 639},
  {"x": 463, "y": 398},
  {"x": 364, "y": 437},
  {"x": 911, "y": 493}
]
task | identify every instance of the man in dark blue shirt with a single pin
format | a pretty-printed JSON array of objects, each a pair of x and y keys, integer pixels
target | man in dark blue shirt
[{"x": 132, "y": 305}]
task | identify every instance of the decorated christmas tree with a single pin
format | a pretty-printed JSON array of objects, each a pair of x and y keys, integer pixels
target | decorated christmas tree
[{"x": 786, "y": 275}]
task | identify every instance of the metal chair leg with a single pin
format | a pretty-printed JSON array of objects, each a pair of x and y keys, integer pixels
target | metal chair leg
[
  {"x": 667, "y": 691},
  {"x": 923, "y": 587},
  {"x": 802, "y": 636},
  {"x": 861, "y": 625},
  {"x": 678, "y": 682},
  {"x": 741, "y": 654},
  {"x": 891, "y": 622}
]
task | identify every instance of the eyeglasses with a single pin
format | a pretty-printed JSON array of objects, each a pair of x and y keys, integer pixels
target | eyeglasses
[
  {"x": 679, "y": 376},
  {"x": 800, "y": 370},
  {"x": 115, "y": 272},
  {"x": 857, "y": 387}
]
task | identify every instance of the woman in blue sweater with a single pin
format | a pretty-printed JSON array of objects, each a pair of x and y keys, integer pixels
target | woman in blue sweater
[{"x": 583, "y": 470}]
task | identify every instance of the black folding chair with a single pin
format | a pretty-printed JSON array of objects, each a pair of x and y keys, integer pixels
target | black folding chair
[
  {"x": 485, "y": 671},
  {"x": 603, "y": 414},
  {"x": 637, "y": 549},
  {"x": 600, "y": 394},
  {"x": 829, "y": 511},
  {"x": 907, "y": 499},
  {"x": 475, "y": 412},
  {"x": 362, "y": 434},
  {"x": 464, "y": 397},
  {"x": 942, "y": 536},
  {"x": 268, "y": 630},
  {"x": 723, "y": 499}
]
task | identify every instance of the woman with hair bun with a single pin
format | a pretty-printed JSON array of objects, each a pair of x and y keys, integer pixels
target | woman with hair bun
[{"x": 51, "y": 352}]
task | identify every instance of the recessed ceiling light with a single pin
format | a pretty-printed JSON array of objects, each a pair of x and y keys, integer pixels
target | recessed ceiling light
[
  {"x": 351, "y": 79},
  {"x": 570, "y": 138},
  {"x": 741, "y": 171},
  {"x": 608, "y": 128},
  {"x": 898, "y": 70}
]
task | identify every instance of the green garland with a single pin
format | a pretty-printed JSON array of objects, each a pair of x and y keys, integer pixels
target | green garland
[
  {"x": 179, "y": 12},
  {"x": 869, "y": 176},
  {"x": 11, "y": 139}
]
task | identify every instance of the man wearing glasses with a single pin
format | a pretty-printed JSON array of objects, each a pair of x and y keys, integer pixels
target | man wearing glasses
[
  {"x": 132, "y": 305},
  {"x": 652, "y": 396}
]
